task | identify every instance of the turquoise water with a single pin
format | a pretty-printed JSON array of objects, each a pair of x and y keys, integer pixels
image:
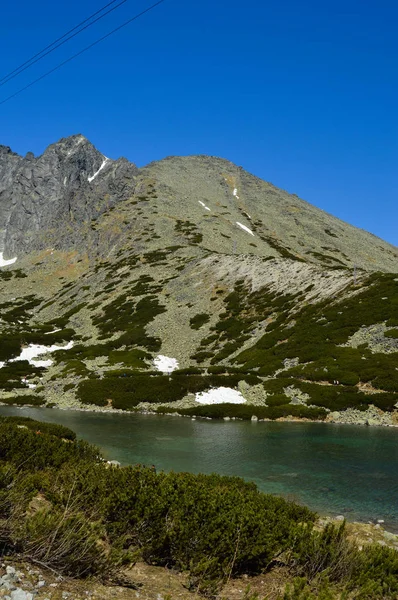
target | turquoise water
[{"x": 335, "y": 469}]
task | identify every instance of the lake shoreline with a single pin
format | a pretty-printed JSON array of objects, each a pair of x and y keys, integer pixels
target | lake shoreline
[
  {"x": 340, "y": 417},
  {"x": 334, "y": 471}
]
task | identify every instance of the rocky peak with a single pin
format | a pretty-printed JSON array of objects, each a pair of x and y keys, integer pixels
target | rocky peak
[
  {"x": 4, "y": 150},
  {"x": 48, "y": 200}
]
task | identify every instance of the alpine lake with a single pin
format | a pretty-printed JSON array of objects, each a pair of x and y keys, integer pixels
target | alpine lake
[{"x": 334, "y": 469}]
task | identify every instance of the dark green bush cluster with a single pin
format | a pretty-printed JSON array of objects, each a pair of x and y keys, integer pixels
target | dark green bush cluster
[
  {"x": 16, "y": 273},
  {"x": 349, "y": 366},
  {"x": 75, "y": 367},
  {"x": 189, "y": 231},
  {"x": 198, "y": 320},
  {"x": 53, "y": 429},
  {"x": 130, "y": 318},
  {"x": 26, "y": 400},
  {"x": 11, "y": 374},
  {"x": 10, "y": 346},
  {"x": 392, "y": 333},
  {"x": 277, "y": 245},
  {"x": 337, "y": 397},
  {"x": 43, "y": 335},
  {"x": 156, "y": 257},
  {"x": 127, "y": 389},
  {"x": 135, "y": 358},
  {"x": 63, "y": 321},
  {"x": 214, "y": 527},
  {"x": 328, "y": 559},
  {"x": 243, "y": 311},
  {"x": 327, "y": 259},
  {"x": 243, "y": 411},
  {"x": 19, "y": 310},
  {"x": 317, "y": 335}
]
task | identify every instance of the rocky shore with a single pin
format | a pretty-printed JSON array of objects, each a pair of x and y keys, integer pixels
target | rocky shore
[{"x": 372, "y": 417}]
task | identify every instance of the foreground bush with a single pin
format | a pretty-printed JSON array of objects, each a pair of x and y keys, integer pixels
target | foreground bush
[{"x": 61, "y": 506}]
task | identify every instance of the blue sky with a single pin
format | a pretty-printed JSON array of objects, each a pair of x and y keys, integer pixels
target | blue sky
[{"x": 302, "y": 94}]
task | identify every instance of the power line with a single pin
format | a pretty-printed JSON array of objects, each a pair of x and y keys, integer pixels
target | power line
[
  {"x": 101, "y": 39},
  {"x": 57, "y": 43},
  {"x": 57, "y": 40}
]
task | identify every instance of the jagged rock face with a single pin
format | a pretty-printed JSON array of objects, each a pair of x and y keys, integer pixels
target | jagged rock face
[{"x": 48, "y": 201}]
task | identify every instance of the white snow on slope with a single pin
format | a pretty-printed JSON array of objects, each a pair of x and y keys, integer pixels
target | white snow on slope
[
  {"x": 235, "y": 193},
  {"x": 50, "y": 332},
  {"x": 34, "y": 350},
  {"x": 90, "y": 179},
  {"x": 244, "y": 228},
  {"x": 220, "y": 395},
  {"x": 4, "y": 263},
  {"x": 204, "y": 205},
  {"x": 165, "y": 364}
]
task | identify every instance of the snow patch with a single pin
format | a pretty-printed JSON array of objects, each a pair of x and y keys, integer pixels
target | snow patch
[
  {"x": 244, "y": 228},
  {"x": 235, "y": 193},
  {"x": 34, "y": 350},
  {"x": 50, "y": 332},
  {"x": 90, "y": 179},
  {"x": 165, "y": 364},
  {"x": 4, "y": 263},
  {"x": 220, "y": 395},
  {"x": 204, "y": 205}
]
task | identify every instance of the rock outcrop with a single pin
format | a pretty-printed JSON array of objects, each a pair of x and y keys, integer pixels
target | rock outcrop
[{"x": 50, "y": 200}]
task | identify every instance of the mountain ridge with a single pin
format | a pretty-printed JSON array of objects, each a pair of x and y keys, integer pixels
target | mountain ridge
[{"x": 67, "y": 181}]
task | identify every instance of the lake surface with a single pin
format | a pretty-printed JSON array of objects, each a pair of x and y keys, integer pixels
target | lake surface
[{"x": 334, "y": 469}]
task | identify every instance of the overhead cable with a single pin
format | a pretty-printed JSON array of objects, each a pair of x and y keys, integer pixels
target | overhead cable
[
  {"x": 101, "y": 39},
  {"x": 61, "y": 41}
]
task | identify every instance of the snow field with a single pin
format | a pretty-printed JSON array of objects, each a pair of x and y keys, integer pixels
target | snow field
[
  {"x": 165, "y": 364},
  {"x": 220, "y": 395}
]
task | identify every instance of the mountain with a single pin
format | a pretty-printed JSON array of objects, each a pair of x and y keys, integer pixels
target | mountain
[
  {"x": 241, "y": 285},
  {"x": 49, "y": 200}
]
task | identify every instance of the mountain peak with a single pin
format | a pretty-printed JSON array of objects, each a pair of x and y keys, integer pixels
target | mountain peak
[
  {"x": 62, "y": 199},
  {"x": 6, "y": 150}
]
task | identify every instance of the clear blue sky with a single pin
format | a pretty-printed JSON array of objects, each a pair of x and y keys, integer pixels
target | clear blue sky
[{"x": 301, "y": 93}]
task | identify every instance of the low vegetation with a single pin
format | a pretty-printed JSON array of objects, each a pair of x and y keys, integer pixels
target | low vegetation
[
  {"x": 62, "y": 507},
  {"x": 126, "y": 389}
]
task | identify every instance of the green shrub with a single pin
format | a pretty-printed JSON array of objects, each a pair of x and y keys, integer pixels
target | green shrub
[
  {"x": 327, "y": 551},
  {"x": 376, "y": 573},
  {"x": 28, "y": 399},
  {"x": 246, "y": 411},
  {"x": 94, "y": 518},
  {"x": 199, "y": 320},
  {"x": 127, "y": 389},
  {"x": 59, "y": 431},
  {"x": 392, "y": 333}
]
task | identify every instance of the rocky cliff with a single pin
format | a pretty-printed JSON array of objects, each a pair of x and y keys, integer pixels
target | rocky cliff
[{"x": 47, "y": 201}]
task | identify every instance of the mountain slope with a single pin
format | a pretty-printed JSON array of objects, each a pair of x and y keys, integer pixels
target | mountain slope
[{"x": 244, "y": 285}]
